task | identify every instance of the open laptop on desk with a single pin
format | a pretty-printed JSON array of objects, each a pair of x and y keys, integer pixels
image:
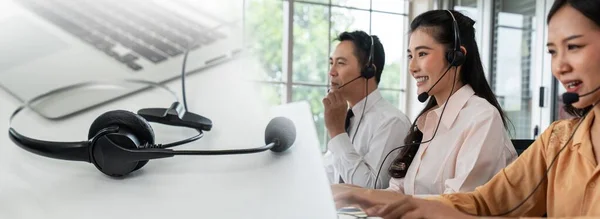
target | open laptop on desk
[{"x": 47, "y": 44}]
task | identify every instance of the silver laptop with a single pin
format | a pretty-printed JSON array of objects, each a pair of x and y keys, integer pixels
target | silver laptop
[{"x": 47, "y": 44}]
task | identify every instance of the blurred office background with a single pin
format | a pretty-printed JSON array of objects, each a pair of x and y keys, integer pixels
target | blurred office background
[{"x": 293, "y": 40}]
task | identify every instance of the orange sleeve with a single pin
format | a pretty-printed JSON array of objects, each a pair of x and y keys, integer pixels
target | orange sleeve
[
  {"x": 509, "y": 187},
  {"x": 582, "y": 217}
]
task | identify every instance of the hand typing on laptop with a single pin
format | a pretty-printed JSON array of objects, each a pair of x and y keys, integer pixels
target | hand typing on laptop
[{"x": 393, "y": 205}]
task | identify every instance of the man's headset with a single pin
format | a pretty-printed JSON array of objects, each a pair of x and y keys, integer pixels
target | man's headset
[
  {"x": 367, "y": 72},
  {"x": 120, "y": 142},
  {"x": 455, "y": 57}
]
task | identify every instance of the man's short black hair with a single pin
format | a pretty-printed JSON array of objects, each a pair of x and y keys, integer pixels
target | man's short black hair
[{"x": 362, "y": 46}]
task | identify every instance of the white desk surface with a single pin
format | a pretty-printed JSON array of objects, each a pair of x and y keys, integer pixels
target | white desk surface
[{"x": 264, "y": 185}]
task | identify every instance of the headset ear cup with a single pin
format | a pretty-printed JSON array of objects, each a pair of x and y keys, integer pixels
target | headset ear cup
[
  {"x": 369, "y": 72},
  {"x": 450, "y": 57},
  {"x": 125, "y": 119},
  {"x": 455, "y": 58},
  {"x": 459, "y": 58}
]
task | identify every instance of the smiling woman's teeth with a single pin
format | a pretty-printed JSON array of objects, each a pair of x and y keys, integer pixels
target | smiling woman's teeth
[
  {"x": 573, "y": 84},
  {"x": 421, "y": 79}
]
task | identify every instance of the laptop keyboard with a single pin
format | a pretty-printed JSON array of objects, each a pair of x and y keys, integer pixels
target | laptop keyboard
[{"x": 126, "y": 30}]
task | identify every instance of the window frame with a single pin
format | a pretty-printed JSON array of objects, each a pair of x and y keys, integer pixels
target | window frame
[{"x": 288, "y": 52}]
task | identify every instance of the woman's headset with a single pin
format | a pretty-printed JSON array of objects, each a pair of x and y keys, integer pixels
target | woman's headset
[{"x": 455, "y": 56}]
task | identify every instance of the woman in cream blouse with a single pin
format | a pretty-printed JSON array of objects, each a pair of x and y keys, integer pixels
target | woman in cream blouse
[{"x": 470, "y": 142}]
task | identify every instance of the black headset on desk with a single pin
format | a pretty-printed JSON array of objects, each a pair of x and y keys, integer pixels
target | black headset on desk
[{"x": 120, "y": 142}]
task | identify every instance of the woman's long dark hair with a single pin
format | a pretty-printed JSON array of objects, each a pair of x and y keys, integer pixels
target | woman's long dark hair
[
  {"x": 439, "y": 25},
  {"x": 591, "y": 10}
]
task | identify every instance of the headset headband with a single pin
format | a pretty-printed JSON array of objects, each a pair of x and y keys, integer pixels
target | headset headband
[{"x": 456, "y": 33}]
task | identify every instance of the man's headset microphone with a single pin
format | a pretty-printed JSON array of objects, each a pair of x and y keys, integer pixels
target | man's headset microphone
[{"x": 121, "y": 142}]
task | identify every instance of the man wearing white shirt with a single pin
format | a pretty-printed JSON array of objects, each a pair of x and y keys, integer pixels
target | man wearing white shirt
[{"x": 363, "y": 126}]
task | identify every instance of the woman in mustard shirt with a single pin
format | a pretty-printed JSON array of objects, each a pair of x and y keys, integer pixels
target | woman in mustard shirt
[{"x": 558, "y": 174}]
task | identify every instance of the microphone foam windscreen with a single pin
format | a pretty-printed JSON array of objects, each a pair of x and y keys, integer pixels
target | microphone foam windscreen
[
  {"x": 570, "y": 98},
  {"x": 282, "y": 129},
  {"x": 423, "y": 97}
]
